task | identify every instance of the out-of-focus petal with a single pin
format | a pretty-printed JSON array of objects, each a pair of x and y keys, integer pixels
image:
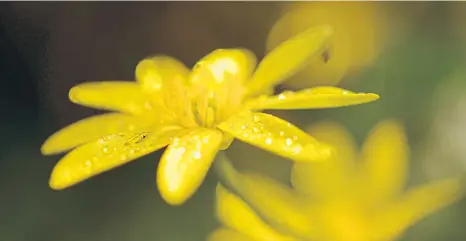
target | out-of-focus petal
[
  {"x": 384, "y": 155},
  {"x": 185, "y": 163},
  {"x": 121, "y": 96},
  {"x": 418, "y": 203},
  {"x": 332, "y": 178},
  {"x": 313, "y": 98},
  {"x": 234, "y": 213},
  {"x": 107, "y": 153},
  {"x": 92, "y": 128},
  {"x": 359, "y": 36},
  {"x": 275, "y": 135},
  {"x": 224, "y": 234},
  {"x": 290, "y": 57},
  {"x": 278, "y": 205}
]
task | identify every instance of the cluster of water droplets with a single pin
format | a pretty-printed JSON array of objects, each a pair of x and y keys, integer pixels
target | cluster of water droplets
[
  {"x": 274, "y": 134},
  {"x": 116, "y": 149}
]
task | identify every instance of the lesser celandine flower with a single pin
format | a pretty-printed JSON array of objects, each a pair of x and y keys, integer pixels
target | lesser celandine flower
[
  {"x": 196, "y": 113},
  {"x": 337, "y": 200}
]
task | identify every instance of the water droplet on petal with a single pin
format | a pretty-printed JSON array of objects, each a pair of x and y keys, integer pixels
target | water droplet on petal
[
  {"x": 88, "y": 163},
  {"x": 288, "y": 141},
  {"x": 197, "y": 155},
  {"x": 268, "y": 141}
]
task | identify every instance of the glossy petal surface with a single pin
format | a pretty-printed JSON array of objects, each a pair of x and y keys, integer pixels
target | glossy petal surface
[
  {"x": 275, "y": 135},
  {"x": 92, "y": 128},
  {"x": 185, "y": 163},
  {"x": 154, "y": 73},
  {"x": 313, "y": 98},
  {"x": 166, "y": 80},
  {"x": 217, "y": 82},
  {"x": 290, "y": 57},
  {"x": 236, "y": 214},
  {"x": 385, "y": 154},
  {"x": 107, "y": 153},
  {"x": 213, "y": 69},
  {"x": 111, "y": 95},
  {"x": 332, "y": 178},
  {"x": 224, "y": 234}
]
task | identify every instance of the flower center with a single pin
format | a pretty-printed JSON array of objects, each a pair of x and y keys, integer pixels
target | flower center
[{"x": 211, "y": 106}]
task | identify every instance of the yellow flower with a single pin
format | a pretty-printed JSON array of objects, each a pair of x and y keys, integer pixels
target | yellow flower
[
  {"x": 196, "y": 113},
  {"x": 336, "y": 200},
  {"x": 359, "y": 32}
]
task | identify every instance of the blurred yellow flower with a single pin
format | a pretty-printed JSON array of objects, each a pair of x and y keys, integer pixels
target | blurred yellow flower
[
  {"x": 336, "y": 200},
  {"x": 195, "y": 113},
  {"x": 358, "y": 37}
]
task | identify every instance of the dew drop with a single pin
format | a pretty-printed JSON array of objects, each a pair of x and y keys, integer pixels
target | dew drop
[
  {"x": 123, "y": 157},
  {"x": 88, "y": 163},
  {"x": 268, "y": 141},
  {"x": 288, "y": 141},
  {"x": 196, "y": 155},
  {"x": 297, "y": 149}
]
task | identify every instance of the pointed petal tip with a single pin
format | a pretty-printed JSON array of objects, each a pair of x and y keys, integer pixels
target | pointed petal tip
[
  {"x": 49, "y": 147},
  {"x": 45, "y": 149},
  {"x": 373, "y": 96}
]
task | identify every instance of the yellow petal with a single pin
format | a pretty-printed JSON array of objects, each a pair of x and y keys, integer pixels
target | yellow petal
[
  {"x": 236, "y": 214},
  {"x": 385, "y": 153},
  {"x": 313, "y": 98},
  {"x": 277, "y": 204},
  {"x": 215, "y": 67},
  {"x": 418, "y": 203},
  {"x": 224, "y": 234},
  {"x": 121, "y": 96},
  {"x": 166, "y": 79},
  {"x": 155, "y": 72},
  {"x": 275, "y": 135},
  {"x": 92, "y": 128},
  {"x": 107, "y": 153},
  {"x": 185, "y": 163},
  {"x": 217, "y": 81},
  {"x": 330, "y": 179},
  {"x": 290, "y": 57}
]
